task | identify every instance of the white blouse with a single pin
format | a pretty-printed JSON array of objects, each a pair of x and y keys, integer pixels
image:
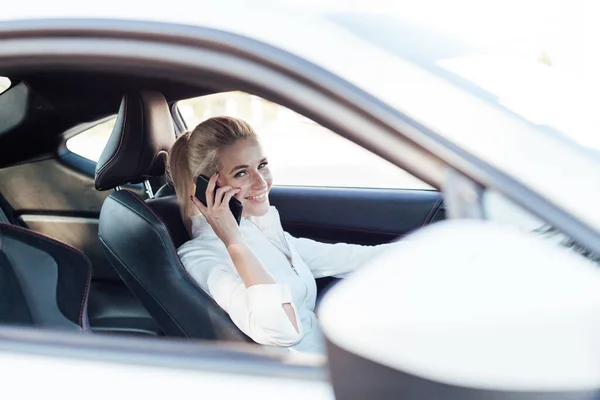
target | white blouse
[{"x": 258, "y": 310}]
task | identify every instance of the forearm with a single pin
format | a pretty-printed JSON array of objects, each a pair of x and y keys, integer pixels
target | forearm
[
  {"x": 248, "y": 266},
  {"x": 252, "y": 272}
]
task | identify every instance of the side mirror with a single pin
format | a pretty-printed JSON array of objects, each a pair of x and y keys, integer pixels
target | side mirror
[{"x": 466, "y": 310}]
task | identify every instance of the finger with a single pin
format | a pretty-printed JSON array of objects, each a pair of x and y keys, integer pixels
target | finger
[
  {"x": 220, "y": 194},
  {"x": 198, "y": 205},
  {"x": 227, "y": 197},
  {"x": 210, "y": 190}
]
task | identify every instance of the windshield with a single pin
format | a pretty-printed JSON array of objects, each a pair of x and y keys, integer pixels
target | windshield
[{"x": 532, "y": 60}]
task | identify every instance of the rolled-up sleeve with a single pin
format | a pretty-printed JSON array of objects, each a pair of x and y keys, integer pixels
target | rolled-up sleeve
[{"x": 257, "y": 311}]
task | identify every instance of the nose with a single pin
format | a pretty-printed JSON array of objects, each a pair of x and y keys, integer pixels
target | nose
[{"x": 258, "y": 182}]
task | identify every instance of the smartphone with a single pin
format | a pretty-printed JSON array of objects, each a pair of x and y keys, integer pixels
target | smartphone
[{"x": 234, "y": 204}]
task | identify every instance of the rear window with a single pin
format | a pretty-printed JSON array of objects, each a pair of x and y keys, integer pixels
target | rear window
[
  {"x": 4, "y": 84},
  {"x": 91, "y": 142}
]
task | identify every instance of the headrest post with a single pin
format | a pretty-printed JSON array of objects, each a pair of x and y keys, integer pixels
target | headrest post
[{"x": 149, "y": 190}]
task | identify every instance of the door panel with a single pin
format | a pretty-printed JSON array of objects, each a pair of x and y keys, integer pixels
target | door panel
[
  {"x": 81, "y": 233},
  {"x": 361, "y": 216},
  {"x": 51, "y": 188}
]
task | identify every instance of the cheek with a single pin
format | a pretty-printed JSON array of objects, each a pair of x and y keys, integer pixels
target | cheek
[
  {"x": 235, "y": 185},
  {"x": 245, "y": 188}
]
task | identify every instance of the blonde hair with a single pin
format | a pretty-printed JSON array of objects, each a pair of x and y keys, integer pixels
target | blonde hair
[{"x": 195, "y": 153}]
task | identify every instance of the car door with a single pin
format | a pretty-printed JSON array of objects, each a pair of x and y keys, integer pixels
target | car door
[{"x": 379, "y": 130}]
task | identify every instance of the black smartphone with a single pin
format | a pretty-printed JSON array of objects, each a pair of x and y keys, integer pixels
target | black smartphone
[{"x": 234, "y": 204}]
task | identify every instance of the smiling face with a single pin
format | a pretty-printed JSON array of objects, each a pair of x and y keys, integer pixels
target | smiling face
[{"x": 244, "y": 165}]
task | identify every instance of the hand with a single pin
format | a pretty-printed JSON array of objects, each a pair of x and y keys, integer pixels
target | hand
[{"x": 217, "y": 212}]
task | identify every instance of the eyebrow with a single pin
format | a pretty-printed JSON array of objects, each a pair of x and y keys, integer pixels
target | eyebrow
[
  {"x": 238, "y": 167},
  {"x": 245, "y": 166}
]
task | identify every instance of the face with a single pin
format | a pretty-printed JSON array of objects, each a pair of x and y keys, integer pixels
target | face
[{"x": 244, "y": 165}]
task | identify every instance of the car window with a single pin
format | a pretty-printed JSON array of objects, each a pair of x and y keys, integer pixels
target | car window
[
  {"x": 4, "y": 83},
  {"x": 91, "y": 142},
  {"x": 300, "y": 151}
]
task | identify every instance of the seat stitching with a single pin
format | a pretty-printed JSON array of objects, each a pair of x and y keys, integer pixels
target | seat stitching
[
  {"x": 67, "y": 247},
  {"x": 43, "y": 237}
]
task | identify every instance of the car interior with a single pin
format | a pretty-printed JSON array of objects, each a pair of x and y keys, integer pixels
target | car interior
[{"x": 105, "y": 233}]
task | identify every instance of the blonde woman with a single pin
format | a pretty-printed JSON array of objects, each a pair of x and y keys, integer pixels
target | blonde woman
[{"x": 260, "y": 275}]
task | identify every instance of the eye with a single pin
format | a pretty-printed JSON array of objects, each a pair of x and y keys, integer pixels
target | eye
[
  {"x": 240, "y": 174},
  {"x": 263, "y": 165}
]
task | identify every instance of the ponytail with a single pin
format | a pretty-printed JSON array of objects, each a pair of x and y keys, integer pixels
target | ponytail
[{"x": 178, "y": 172}]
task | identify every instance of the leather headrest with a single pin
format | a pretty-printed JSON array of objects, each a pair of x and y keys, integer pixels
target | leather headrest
[{"x": 138, "y": 145}]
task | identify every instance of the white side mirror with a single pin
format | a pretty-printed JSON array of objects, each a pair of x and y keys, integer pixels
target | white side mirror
[{"x": 466, "y": 310}]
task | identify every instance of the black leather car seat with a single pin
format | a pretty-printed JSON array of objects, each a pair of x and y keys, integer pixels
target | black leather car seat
[
  {"x": 43, "y": 282},
  {"x": 141, "y": 237}
]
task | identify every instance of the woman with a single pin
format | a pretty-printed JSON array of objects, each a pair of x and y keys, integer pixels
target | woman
[{"x": 260, "y": 275}]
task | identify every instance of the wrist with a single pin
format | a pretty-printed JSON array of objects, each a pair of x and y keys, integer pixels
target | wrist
[
  {"x": 238, "y": 250},
  {"x": 234, "y": 241}
]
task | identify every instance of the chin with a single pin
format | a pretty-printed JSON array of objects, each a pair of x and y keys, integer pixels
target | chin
[{"x": 257, "y": 210}]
